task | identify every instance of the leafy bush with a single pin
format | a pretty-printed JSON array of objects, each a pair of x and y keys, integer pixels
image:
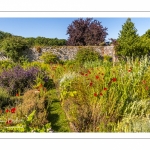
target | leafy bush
[
  {"x": 86, "y": 54},
  {"x": 49, "y": 57},
  {"x": 14, "y": 47},
  {"x": 6, "y": 64}
]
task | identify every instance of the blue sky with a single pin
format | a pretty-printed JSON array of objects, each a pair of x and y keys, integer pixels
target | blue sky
[{"x": 57, "y": 27}]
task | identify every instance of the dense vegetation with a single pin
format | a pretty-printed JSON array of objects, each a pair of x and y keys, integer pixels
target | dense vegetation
[{"x": 87, "y": 94}]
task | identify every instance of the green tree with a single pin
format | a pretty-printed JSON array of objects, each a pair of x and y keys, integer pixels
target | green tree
[{"x": 128, "y": 42}]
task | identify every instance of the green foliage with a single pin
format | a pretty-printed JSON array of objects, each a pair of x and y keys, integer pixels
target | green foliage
[
  {"x": 14, "y": 47},
  {"x": 42, "y": 41},
  {"x": 4, "y": 35},
  {"x": 128, "y": 42},
  {"x": 86, "y": 54},
  {"x": 4, "y": 98},
  {"x": 49, "y": 57},
  {"x": 6, "y": 64}
]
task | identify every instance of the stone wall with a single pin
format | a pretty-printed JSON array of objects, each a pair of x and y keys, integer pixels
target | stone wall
[{"x": 66, "y": 52}]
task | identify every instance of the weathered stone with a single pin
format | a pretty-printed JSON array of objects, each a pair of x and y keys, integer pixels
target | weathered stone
[{"x": 65, "y": 52}]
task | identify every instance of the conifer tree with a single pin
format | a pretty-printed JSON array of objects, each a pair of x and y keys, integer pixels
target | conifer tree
[{"x": 128, "y": 42}]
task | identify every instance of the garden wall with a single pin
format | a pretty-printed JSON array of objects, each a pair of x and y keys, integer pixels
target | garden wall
[{"x": 66, "y": 52}]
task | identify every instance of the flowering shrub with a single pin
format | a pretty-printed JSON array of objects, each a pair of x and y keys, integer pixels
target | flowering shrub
[{"x": 18, "y": 79}]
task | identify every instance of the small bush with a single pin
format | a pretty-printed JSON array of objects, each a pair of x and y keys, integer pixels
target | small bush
[
  {"x": 86, "y": 54},
  {"x": 49, "y": 57}
]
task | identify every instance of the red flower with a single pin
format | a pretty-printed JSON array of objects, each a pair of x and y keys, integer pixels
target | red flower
[
  {"x": 97, "y": 77},
  {"x": 105, "y": 89},
  {"x": 13, "y": 110},
  {"x": 7, "y": 110},
  {"x": 8, "y": 121},
  {"x": 91, "y": 83},
  {"x": 101, "y": 94},
  {"x": 86, "y": 74},
  {"x": 129, "y": 70},
  {"x": 114, "y": 79},
  {"x": 17, "y": 94},
  {"x": 95, "y": 94}
]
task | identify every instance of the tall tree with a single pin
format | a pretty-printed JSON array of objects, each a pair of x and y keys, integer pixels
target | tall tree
[
  {"x": 128, "y": 40},
  {"x": 86, "y": 32}
]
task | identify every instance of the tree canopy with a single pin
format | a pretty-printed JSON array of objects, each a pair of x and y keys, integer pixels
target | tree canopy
[{"x": 86, "y": 32}]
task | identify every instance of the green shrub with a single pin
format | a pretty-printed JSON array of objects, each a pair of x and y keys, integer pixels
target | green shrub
[
  {"x": 49, "y": 57},
  {"x": 14, "y": 47},
  {"x": 6, "y": 64},
  {"x": 86, "y": 54}
]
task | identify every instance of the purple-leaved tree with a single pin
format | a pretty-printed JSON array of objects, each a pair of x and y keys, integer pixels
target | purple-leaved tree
[{"x": 86, "y": 32}]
